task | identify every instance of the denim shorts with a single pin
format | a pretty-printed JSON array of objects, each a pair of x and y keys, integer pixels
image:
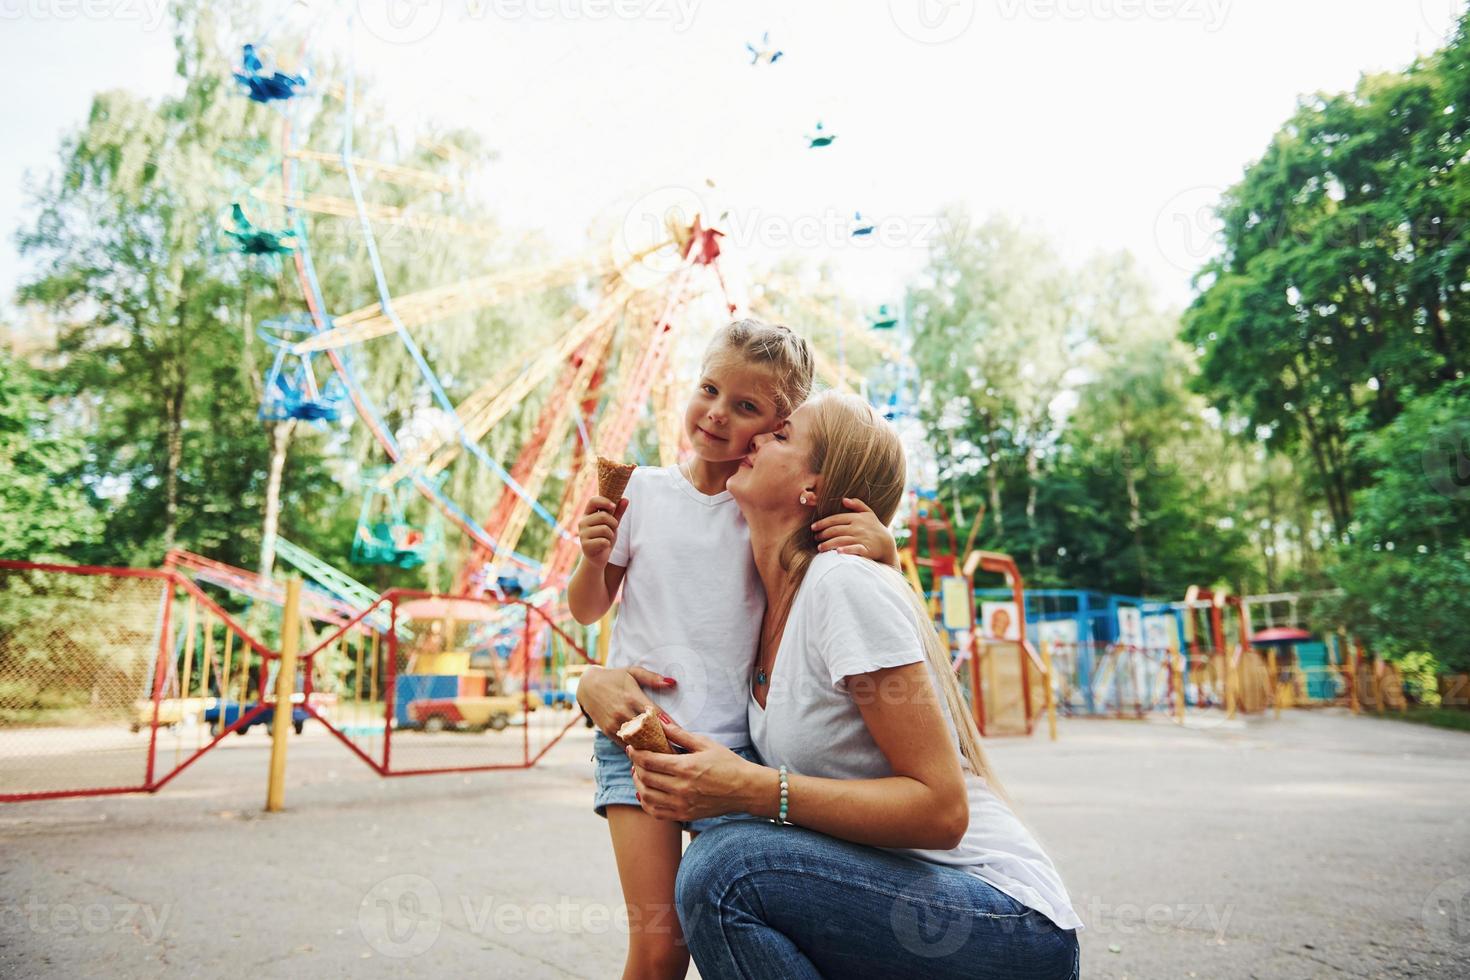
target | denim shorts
[{"x": 615, "y": 782}]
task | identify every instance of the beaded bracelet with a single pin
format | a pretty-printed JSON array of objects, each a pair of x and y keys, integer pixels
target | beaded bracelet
[{"x": 785, "y": 801}]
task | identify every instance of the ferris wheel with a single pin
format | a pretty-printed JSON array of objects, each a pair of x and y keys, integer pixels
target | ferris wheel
[{"x": 585, "y": 382}]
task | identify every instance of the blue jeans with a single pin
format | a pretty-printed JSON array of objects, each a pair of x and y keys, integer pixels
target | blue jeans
[
  {"x": 761, "y": 901},
  {"x": 614, "y": 777}
]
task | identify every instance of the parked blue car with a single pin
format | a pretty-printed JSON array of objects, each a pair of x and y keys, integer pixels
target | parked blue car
[{"x": 226, "y": 713}]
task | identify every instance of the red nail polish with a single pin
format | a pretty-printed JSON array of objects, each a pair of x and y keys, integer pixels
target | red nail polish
[
  {"x": 665, "y": 718},
  {"x": 638, "y": 796},
  {"x": 670, "y": 680}
]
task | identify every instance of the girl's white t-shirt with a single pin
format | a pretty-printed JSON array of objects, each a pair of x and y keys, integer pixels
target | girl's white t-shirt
[
  {"x": 692, "y": 601},
  {"x": 850, "y": 617}
]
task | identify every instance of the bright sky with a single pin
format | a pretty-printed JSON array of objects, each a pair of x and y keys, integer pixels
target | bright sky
[{"x": 1110, "y": 124}]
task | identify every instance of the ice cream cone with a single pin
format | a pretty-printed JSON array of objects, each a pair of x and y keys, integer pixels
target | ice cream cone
[
  {"x": 612, "y": 478},
  {"x": 645, "y": 732}
]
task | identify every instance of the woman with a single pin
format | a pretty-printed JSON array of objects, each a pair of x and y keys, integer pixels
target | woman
[{"x": 904, "y": 858}]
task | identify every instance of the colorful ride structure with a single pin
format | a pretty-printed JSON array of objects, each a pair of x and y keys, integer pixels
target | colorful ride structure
[
  {"x": 292, "y": 388},
  {"x": 1005, "y": 679}
]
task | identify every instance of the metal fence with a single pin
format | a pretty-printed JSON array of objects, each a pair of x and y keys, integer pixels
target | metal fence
[
  {"x": 450, "y": 685},
  {"x": 111, "y": 679},
  {"x": 115, "y": 680}
]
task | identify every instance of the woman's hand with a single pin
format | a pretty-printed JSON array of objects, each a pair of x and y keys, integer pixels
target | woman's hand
[
  {"x": 613, "y": 695},
  {"x": 857, "y": 531},
  {"x": 707, "y": 781}
]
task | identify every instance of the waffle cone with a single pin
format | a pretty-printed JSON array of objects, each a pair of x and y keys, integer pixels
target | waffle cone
[
  {"x": 645, "y": 732},
  {"x": 612, "y": 478}
]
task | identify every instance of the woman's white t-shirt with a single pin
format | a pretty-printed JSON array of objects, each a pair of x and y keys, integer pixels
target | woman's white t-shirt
[
  {"x": 850, "y": 617},
  {"x": 692, "y": 601}
]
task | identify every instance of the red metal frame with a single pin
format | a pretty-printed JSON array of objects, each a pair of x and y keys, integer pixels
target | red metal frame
[
  {"x": 1217, "y": 602},
  {"x": 175, "y": 580},
  {"x": 1001, "y": 564},
  {"x": 939, "y": 539}
]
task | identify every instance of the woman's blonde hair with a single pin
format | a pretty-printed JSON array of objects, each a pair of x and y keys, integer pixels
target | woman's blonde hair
[
  {"x": 859, "y": 455},
  {"x": 775, "y": 347}
]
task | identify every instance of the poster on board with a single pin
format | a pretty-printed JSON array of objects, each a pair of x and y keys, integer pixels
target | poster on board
[
  {"x": 1059, "y": 634},
  {"x": 954, "y": 602},
  {"x": 1159, "y": 633},
  {"x": 1000, "y": 621},
  {"x": 1130, "y": 626}
]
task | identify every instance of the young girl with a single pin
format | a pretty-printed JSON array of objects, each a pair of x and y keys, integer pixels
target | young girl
[{"x": 692, "y": 607}]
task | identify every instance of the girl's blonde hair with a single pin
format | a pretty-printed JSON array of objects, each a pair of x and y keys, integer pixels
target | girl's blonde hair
[
  {"x": 773, "y": 346},
  {"x": 859, "y": 455}
]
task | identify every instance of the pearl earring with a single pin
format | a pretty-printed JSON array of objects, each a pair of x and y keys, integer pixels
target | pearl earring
[{"x": 805, "y": 500}]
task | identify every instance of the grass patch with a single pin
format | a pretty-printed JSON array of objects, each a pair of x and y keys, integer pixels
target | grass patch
[{"x": 1455, "y": 718}]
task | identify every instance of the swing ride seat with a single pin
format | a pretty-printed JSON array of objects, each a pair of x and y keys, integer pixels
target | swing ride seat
[
  {"x": 275, "y": 87},
  {"x": 291, "y": 390},
  {"x": 400, "y": 545},
  {"x": 288, "y": 396},
  {"x": 264, "y": 242},
  {"x": 884, "y": 320}
]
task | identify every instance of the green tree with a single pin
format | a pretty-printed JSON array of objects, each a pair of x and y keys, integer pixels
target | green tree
[
  {"x": 996, "y": 335},
  {"x": 1339, "y": 293},
  {"x": 127, "y": 233},
  {"x": 47, "y": 513},
  {"x": 1406, "y": 574}
]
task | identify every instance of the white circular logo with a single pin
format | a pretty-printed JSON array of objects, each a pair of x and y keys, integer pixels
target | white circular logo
[
  {"x": 1441, "y": 16},
  {"x": 1187, "y": 230},
  {"x": 1446, "y": 912},
  {"x": 932, "y": 21},
  {"x": 654, "y": 231},
  {"x": 695, "y": 680},
  {"x": 401, "y": 21},
  {"x": 1446, "y": 459},
  {"x": 927, "y": 928},
  {"x": 401, "y": 916}
]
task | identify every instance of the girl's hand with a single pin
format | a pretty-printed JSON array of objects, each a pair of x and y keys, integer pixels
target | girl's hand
[
  {"x": 857, "y": 531},
  {"x": 706, "y": 781},
  {"x": 599, "y": 529},
  {"x": 613, "y": 695}
]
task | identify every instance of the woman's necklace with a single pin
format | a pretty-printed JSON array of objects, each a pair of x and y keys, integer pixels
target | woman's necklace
[{"x": 767, "y": 650}]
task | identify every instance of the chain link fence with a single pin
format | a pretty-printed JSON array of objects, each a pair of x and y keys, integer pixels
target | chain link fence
[
  {"x": 114, "y": 680},
  {"x": 447, "y": 684}
]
